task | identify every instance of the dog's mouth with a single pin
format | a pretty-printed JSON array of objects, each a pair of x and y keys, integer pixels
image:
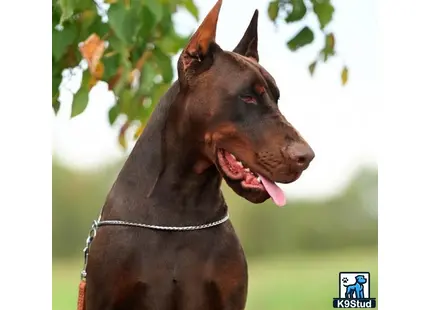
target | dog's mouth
[{"x": 257, "y": 188}]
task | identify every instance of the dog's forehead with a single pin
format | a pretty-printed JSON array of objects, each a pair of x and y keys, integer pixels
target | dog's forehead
[{"x": 256, "y": 67}]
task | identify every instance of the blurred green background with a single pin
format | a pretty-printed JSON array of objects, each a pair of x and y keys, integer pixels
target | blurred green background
[{"x": 294, "y": 253}]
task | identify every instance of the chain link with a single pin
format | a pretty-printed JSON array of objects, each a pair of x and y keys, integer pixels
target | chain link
[
  {"x": 177, "y": 228},
  {"x": 91, "y": 235}
]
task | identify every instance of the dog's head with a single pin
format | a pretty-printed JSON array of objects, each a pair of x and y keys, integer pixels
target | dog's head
[
  {"x": 360, "y": 279},
  {"x": 231, "y": 105}
]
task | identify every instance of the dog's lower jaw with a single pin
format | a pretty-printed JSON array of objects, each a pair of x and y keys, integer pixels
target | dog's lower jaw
[{"x": 254, "y": 196}]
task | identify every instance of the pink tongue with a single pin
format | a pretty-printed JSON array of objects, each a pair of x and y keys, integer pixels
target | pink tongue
[{"x": 274, "y": 191}]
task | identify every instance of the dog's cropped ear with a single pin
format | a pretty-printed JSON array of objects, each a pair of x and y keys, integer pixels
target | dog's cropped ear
[
  {"x": 248, "y": 45},
  {"x": 199, "y": 51}
]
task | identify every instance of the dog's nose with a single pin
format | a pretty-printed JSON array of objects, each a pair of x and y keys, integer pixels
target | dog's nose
[{"x": 301, "y": 154}]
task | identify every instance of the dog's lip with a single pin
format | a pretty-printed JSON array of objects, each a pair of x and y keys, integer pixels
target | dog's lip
[
  {"x": 246, "y": 175},
  {"x": 222, "y": 151},
  {"x": 296, "y": 176},
  {"x": 258, "y": 170},
  {"x": 252, "y": 194}
]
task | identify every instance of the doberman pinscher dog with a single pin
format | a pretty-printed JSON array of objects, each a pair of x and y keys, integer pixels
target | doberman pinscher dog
[{"x": 218, "y": 121}]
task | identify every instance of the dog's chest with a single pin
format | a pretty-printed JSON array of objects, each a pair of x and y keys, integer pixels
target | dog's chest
[{"x": 189, "y": 255}]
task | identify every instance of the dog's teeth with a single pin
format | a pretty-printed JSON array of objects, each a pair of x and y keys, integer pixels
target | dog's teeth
[
  {"x": 259, "y": 179},
  {"x": 247, "y": 170},
  {"x": 234, "y": 157},
  {"x": 240, "y": 164}
]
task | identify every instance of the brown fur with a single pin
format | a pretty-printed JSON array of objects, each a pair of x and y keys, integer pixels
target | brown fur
[{"x": 172, "y": 177}]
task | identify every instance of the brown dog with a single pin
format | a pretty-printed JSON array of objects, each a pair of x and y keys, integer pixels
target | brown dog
[{"x": 220, "y": 120}]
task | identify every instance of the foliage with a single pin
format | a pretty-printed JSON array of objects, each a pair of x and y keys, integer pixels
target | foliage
[
  {"x": 129, "y": 44},
  {"x": 293, "y": 11}
]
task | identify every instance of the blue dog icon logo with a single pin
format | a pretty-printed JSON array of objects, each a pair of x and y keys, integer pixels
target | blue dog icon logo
[{"x": 356, "y": 290}]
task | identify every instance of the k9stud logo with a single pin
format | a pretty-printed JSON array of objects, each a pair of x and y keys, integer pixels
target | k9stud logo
[{"x": 354, "y": 291}]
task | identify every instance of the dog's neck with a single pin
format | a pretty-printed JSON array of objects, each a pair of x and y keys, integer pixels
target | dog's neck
[{"x": 159, "y": 182}]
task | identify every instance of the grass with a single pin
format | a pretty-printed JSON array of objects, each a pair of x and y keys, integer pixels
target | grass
[{"x": 307, "y": 281}]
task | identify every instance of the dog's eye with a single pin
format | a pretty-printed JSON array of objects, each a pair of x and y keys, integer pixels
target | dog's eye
[{"x": 248, "y": 99}]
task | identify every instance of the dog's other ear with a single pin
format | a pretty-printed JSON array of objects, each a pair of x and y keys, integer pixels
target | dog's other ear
[
  {"x": 248, "y": 45},
  {"x": 201, "y": 46}
]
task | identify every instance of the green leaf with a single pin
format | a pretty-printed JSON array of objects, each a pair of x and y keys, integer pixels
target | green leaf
[
  {"x": 148, "y": 22},
  {"x": 128, "y": 103},
  {"x": 56, "y": 13},
  {"x": 122, "y": 82},
  {"x": 166, "y": 24},
  {"x": 96, "y": 26},
  {"x": 139, "y": 131},
  {"x": 121, "y": 136},
  {"x": 302, "y": 38},
  {"x": 111, "y": 65},
  {"x": 328, "y": 49},
  {"x": 116, "y": 44},
  {"x": 273, "y": 9},
  {"x": 156, "y": 9},
  {"x": 330, "y": 41},
  {"x": 137, "y": 52},
  {"x": 88, "y": 18},
  {"x": 82, "y": 5},
  {"x": 113, "y": 114},
  {"x": 171, "y": 42},
  {"x": 125, "y": 74},
  {"x": 80, "y": 99},
  {"x": 147, "y": 76},
  {"x": 62, "y": 39},
  {"x": 312, "y": 67},
  {"x": 324, "y": 11},
  {"x": 56, "y": 81},
  {"x": 298, "y": 11},
  {"x": 55, "y": 104},
  {"x": 157, "y": 92},
  {"x": 164, "y": 64},
  {"x": 124, "y": 99},
  {"x": 124, "y": 21},
  {"x": 191, "y": 7},
  {"x": 67, "y": 7},
  {"x": 344, "y": 75},
  {"x": 117, "y": 16}
]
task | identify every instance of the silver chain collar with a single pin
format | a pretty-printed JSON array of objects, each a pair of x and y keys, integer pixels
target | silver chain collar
[
  {"x": 99, "y": 223},
  {"x": 157, "y": 227}
]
